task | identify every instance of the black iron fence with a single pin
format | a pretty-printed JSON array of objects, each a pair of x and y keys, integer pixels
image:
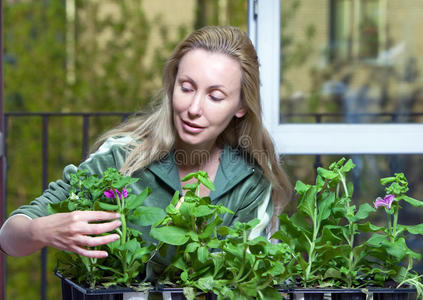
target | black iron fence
[{"x": 86, "y": 118}]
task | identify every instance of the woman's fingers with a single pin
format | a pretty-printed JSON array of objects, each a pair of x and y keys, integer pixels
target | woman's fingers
[
  {"x": 99, "y": 228},
  {"x": 76, "y": 230},
  {"x": 90, "y": 241},
  {"x": 94, "y": 216},
  {"x": 90, "y": 253}
]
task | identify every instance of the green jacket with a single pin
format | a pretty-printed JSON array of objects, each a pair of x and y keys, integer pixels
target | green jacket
[{"x": 240, "y": 185}]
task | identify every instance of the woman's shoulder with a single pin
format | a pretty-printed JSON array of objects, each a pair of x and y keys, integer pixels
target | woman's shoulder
[{"x": 111, "y": 153}]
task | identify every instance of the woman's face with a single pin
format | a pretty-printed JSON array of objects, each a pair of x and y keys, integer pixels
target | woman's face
[{"x": 206, "y": 96}]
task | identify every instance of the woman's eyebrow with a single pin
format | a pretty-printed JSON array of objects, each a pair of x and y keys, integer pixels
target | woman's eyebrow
[{"x": 183, "y": 78}]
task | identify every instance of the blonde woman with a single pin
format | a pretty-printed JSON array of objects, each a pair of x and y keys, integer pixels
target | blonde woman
[{"x": 209, "y": 118}]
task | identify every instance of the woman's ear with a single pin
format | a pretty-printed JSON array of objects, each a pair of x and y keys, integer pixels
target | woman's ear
[{"x": 241, "y": 112}]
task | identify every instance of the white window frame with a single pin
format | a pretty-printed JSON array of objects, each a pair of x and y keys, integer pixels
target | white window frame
[{"x": 264, "y": 31}]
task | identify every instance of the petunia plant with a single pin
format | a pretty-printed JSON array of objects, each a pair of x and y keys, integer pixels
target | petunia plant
[
  {"x": 388, "y": 245},
  {"x": 322, "y": 233},
  {"x": 212, "y": 258},
  {"x": 333, "y": 242},
  {"x": 128, "y": 255}
]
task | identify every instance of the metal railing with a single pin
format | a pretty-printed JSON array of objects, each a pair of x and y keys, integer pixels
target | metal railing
[
  {"x": 86, "y": 121},
  {"x": 45, "y": 118}
]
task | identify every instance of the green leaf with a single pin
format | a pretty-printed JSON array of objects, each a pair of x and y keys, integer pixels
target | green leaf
[
  {"x": 175, "y": 198},
  {"x": 170, "y": 235},
  {"x": 270, "y": 293},
  {"x": 139, "y": 199},
  {"x": 214, "y": 243},
  {"x": 412, "y": 201},
  {"x": 363, "y": 212},
  {"x": 349, "y": 165},
  {"x": 236, "y": 251},
  {"x": 146, "y": 215},
  {"x": 376, "y": 240},
  {"x": 191, "y": 247},
  {"x": 307, "y": 202},
  {"x": 325, "y": 206},
  {"x": 398, "y": 249},
  {"x": 203, "y": 254},
  {"x": 368, "y": 227},
  {"x": 301, "y": 187},
  {"x": 202, "y": 210},
  {"x": 414, "y": 229},
  {"x": 329, "y": 237},
  {"x": 210, "y": 228},
  {"x": 105, "y": 206},
  {"x": 224, "y": 230},
  {"x": 60, "y": 207},
  {"x": 204, "y": 180},
  {"x": 386, "y": 180},
  {"x": 206, "y": 283},
  {"x": 330, "y": 175}
]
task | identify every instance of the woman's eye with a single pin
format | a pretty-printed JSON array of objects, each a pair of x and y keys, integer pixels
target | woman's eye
[
  {"x": 217, "y": 96},
  {"x": 186, "y": 87}
]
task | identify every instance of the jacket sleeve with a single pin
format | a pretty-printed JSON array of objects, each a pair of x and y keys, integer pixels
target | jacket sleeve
[
  {"x": 110, "y": 154},
  {"x": 256, "y": 203}
]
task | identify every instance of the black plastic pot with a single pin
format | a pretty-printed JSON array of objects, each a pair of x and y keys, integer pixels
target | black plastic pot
[
  {"x": 178, "y": 294},
  {"x": 392, "y": 294},
  {"x": 350, "y": 294},
  {"x": 73, "y": 291}
]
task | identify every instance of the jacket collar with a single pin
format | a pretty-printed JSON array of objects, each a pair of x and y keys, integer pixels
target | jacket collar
[{"x": 232, "y": 169}]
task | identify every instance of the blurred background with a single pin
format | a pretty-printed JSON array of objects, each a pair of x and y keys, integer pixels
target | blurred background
[{"x": 74, "y": 68}]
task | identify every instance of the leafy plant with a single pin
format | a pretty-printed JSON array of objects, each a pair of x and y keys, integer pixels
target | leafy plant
[
  {"x": 213, "y": 258},
  {"x": 321, "y": 234},
  {"x": 389, "y": 247},
  {"x": 324, "y": 234},
  {"x": 128, "y": 255}
]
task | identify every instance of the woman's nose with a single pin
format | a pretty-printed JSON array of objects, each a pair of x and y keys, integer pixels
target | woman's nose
[{"x": 196, "y": 105}]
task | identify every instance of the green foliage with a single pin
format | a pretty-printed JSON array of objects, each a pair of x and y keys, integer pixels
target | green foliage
[
  {"x": 217, "y": 259},
  {"x": 128, "y": 255},
  {"x": 323, "y": 234}
]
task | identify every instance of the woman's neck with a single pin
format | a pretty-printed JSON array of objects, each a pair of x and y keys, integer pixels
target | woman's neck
[{"x": 191, "y": 160}]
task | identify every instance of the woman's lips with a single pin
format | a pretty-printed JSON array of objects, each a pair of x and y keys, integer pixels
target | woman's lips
[{"x": 191, "y": 127}]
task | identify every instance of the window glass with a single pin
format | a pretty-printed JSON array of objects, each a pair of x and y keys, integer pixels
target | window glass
[{"x": 352, "y": 61}]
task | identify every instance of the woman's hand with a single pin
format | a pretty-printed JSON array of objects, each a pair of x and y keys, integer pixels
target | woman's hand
[
  {"x": 75, "y": 231},
  {"x": 65, "y": 231}
]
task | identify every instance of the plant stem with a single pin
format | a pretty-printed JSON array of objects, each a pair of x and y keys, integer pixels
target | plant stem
[
  {"x": 394, "y": 228},
  {"x": 244, "y": 254},
  {"x": 350, "y": 231},
  {"x": 122, "y": 219},
  {"x": 312, "y": 245}
]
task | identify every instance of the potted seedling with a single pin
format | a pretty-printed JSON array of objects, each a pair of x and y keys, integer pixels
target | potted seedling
[
  {"x": 119, "y": 273},
  {"x": 211, "y": 258},
  {"x": 323, "y": 235}
]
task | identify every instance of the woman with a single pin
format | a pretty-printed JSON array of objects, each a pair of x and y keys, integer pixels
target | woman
[{"x": 209, "y": 119}]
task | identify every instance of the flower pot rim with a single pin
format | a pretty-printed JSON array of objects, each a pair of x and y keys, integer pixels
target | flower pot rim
[
  {"x": 348, "y": 291},
  {"x": 97, "y": 291}
]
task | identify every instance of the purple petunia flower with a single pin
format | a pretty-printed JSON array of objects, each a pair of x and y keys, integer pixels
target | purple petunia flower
[
  {"x": 111, "y": 194},
  {"x": 386, "y": 202}
]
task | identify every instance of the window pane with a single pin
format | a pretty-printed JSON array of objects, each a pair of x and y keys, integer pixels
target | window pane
[{"x": 351, "y": 61}]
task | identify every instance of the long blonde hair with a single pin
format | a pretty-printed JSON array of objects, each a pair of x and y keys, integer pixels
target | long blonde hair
[{"x": 247, "y": 134}]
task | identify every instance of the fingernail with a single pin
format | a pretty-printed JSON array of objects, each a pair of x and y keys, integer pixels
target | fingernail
[{"x": 117, "y": 215}]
